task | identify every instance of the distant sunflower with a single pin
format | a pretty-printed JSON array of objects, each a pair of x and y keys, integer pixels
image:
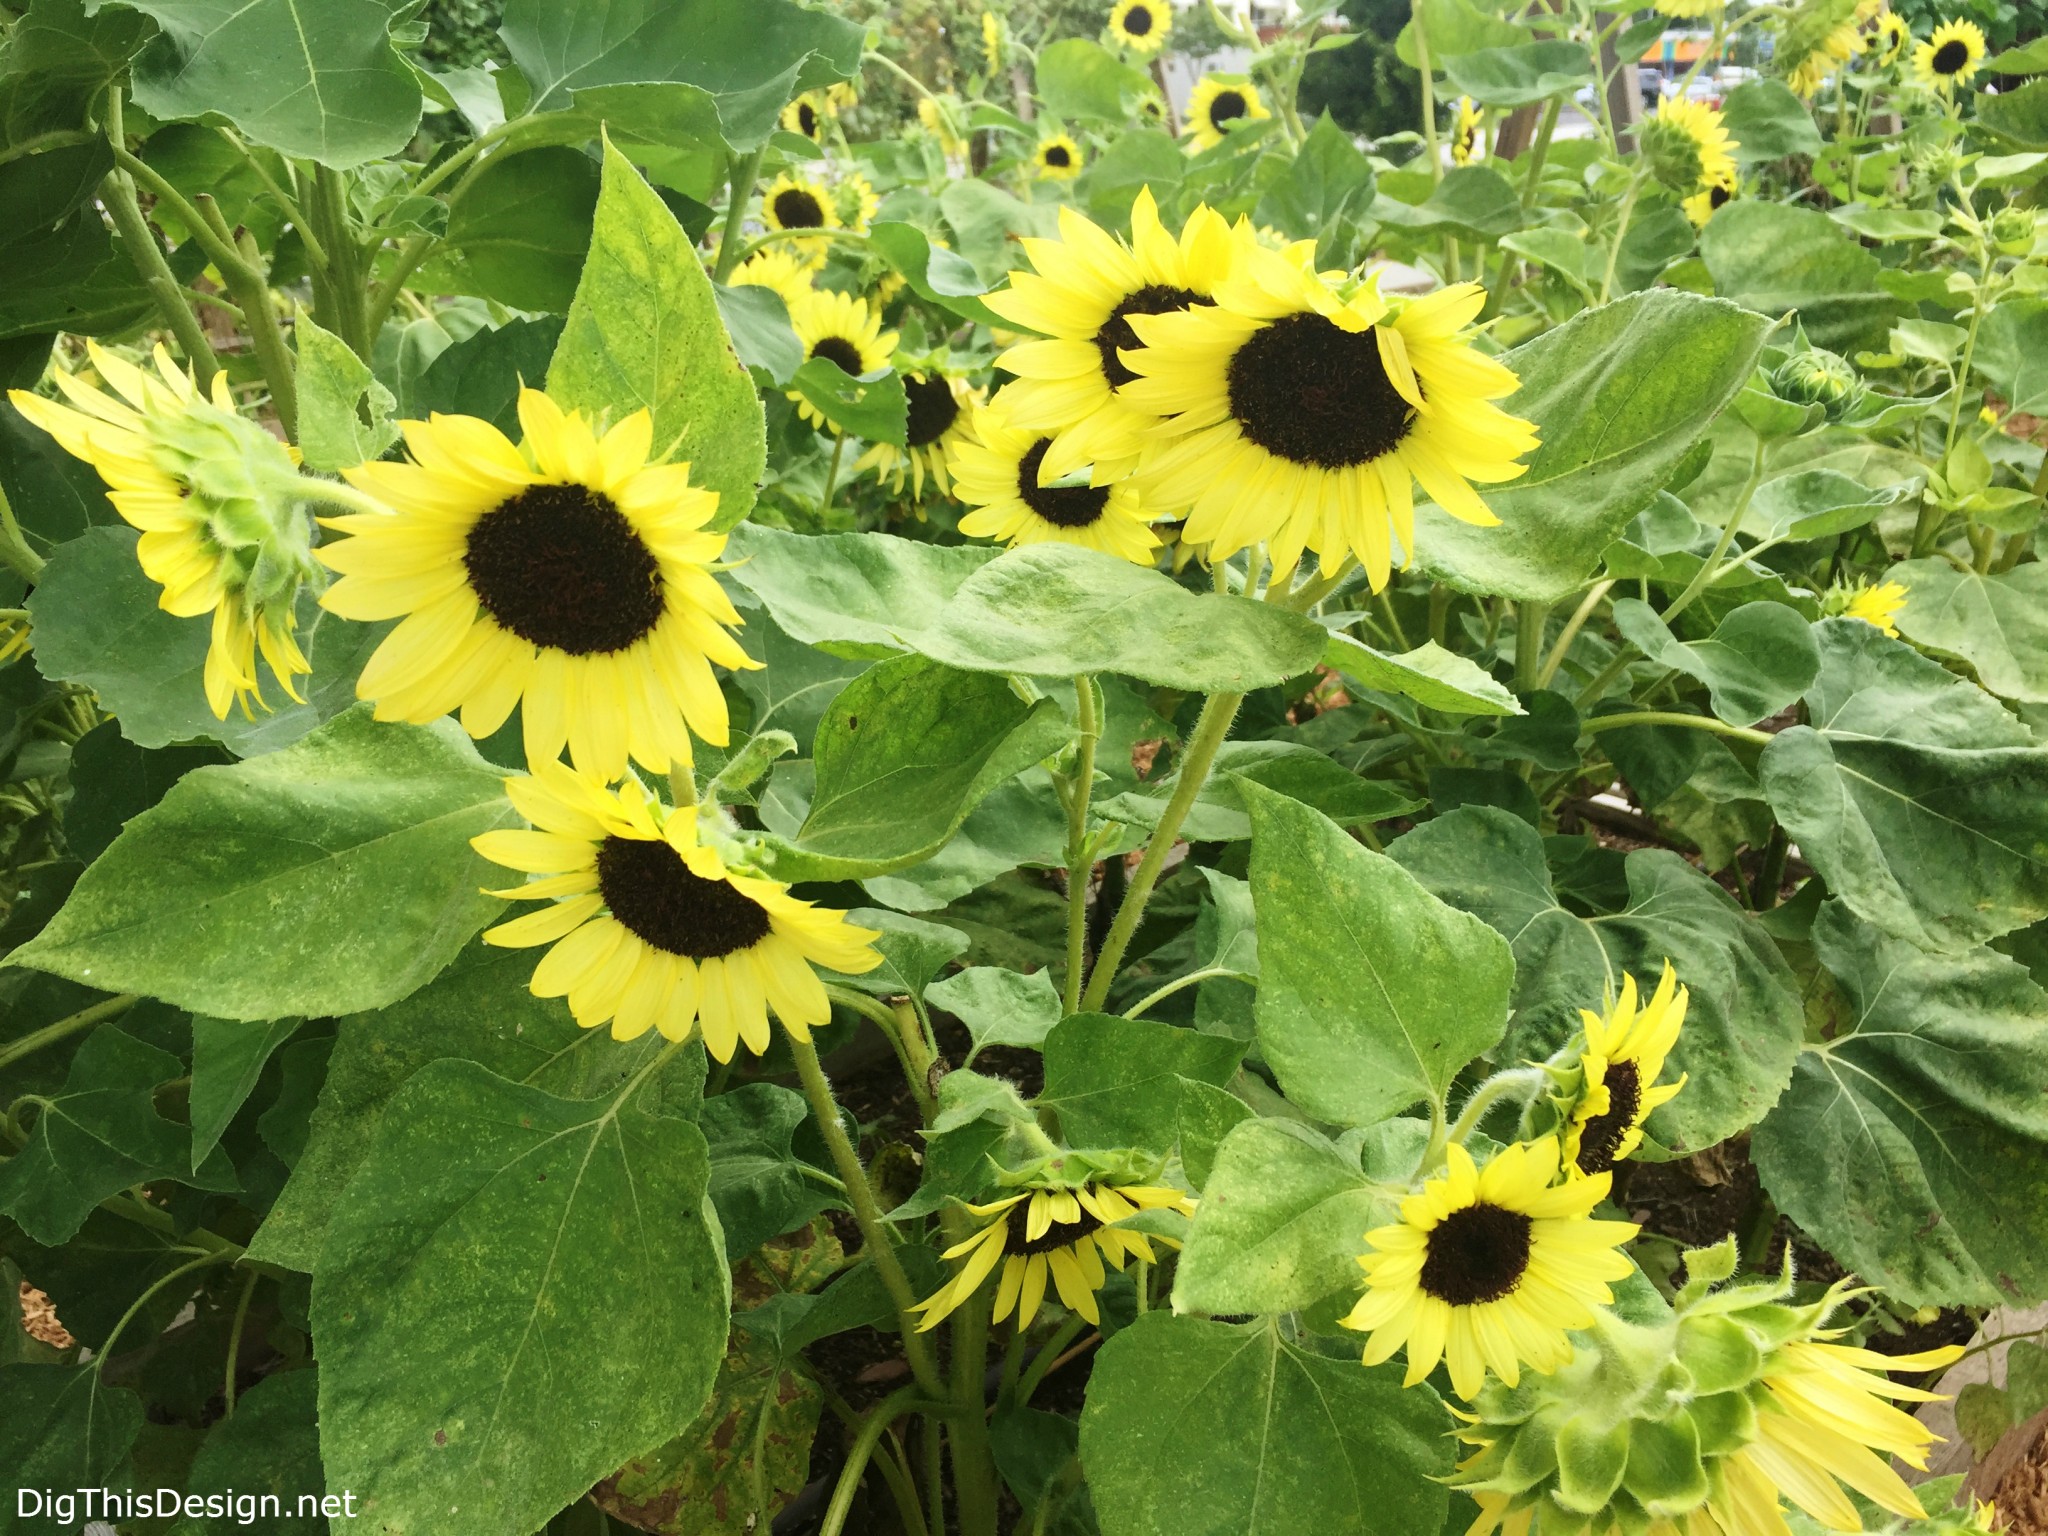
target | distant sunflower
[
  {"x": 800, "y": 202},
  {"x": 1300, "y": 417},
  {"x": 1950, "y": 57},
  {"x": 1710, "y": 199},
  {"x": 840, "y": 95},
  {"x": 806, "y": 116},
  {"x": 1000, "y": 471},
  {"x": 992, "y": 40},
  {"x": 940, "y": 416},
  {"x": 651, "y": 928},
  {"x": 1886, "y": 40},
  {"x": 569, "y": 576},
  {"x": 1215, "y": 104},
  {"x": 1087, "y": 286},
  {"x": 1141, "y": 25},
  {"x": 1490, "y": 1269},
  {"x": 1820, "y": 36},
  {"x": 779, "y": 272},
  {"x": 1152, "y": 108},
  {"x": 1697, "y": 130},
  {"x": 1062, "y": 1233},
  {"x": 1468, "y": 141},
  {"x": 844, "y": 328},
  {"x": 1878, "y": 606},
  {"x": 1058, "y": 158},
  {"x": 856, "y": 202},
  {"x": 218, "y": 503},
  {"x": 943, "y": 123},
  {"x": 1624, "y": 1053}
]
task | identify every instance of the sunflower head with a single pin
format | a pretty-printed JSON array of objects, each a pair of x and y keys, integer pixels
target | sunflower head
[
  {"x": 1817, "y": 38},
  {"x": 855, "y": 202},
  {"x": 778, "y": 271},
  {"x": 1687, "y": 146},
  {"x": 1141, "y": 25},
  {"x": 1710, "y": 200},
  {"x": 219, "y": 502},
  {"x": 992, "y": 40},
  {"x": 1886, "y": 39},
  {"x": 2014, "y": 230},
  {"x": 806, "y": 116},
  {"x": 801, "y": 202},
  {"x": 1000, "y": 470},
  {"x": 1218, "y": 104},
  {"x": 1950, "y": 57},
  {"x": 940, "y": 415},
  {"x": 1614, "y": 1088},
  {"x": 847, "y": 330},
  {"x": 1057, "y": 158},
  {"x": 1813, "y": 375},
  {"x": 1467, "y": 125},
  {"x": 1878, "y": 605}
]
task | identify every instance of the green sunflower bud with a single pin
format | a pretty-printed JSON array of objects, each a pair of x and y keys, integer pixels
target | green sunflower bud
[
  {"x": 2012, "y": 231},
  {"x": 1672, "y": 154},
  {"x": 1818, "y": 377}
]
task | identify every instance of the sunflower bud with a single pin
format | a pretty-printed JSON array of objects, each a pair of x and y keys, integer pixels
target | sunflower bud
[
  {"x": 1818, "y": 377},
  {"x": 1672, "y": 154},
  {"x": 2012, "y": 231}
]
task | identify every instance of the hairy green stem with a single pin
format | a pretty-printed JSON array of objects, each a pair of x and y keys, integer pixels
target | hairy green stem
[
  {"x": 235, "y": 1339},
  {"x": 204, "y": 1261},
  {"x": 1178, "y": 984},
  {"x": 741, "y": 174},
  {"x": 251, "y": 287},
  {"x": 1673, "y": 717},
  {"x": 907, "y": 1043},
  {"x": 1570, "y": 632},
  {"x": 64, "y": 1028},
  {"x": 15, "y": 552},
  {"x": 974, "y": 1470},
  {"x": 1043, "y": 1362},
  {"x": 1621, "y": 223},
  {"x": 1087, "y": 732},
  {"x": 1711, "y": 570},
  {"x": 1529, "y": 622},
  {"x": 873, "y": 1425},
  {"x": 117, "y": 196},
  {"x": 1521, "y": 1083}
]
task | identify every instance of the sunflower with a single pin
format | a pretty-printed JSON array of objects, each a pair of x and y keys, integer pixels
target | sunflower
[
  {"x": 1086, "y": 287},
  {"x": 1690, "y": 146},
  {"x": 1064, "y": 1231},
  {"x": 218, "y": 501},
  {"x": 943, "y": 123},
  {"x": 568, "y": 576},
  {"x": 1950, "y": 57},
  {"x": 1299, "y": 416},
  {"x": 1468, "y": 143},
  {"x": 1216, "y": 103},
  {"x": 856, "y": 201},
  {"x": 844, "y": 328},
  {"x": 1141, "y": 25},
  {"x": 992, "y": 40},
  {"x": 1058, "y": 158},
  {"x": 1884, "y": 42},
  {"x": 1000, "y": 470},
  {"x": 651, "y": 928},
  {"x": 1878, "y": 606},
  {"x": 806, "y": 116},
  {"x": 940, "y": 416},
  {"x": 1820, "y": 36},
  {"x": 1623, "y": 1056},
  {"x": 779, "y": 272},
  {"x": 1490, "y": 1268},
  {"x": 800, "y": 202},
  {"x": 1710, "y": 200},
  {"x": 1686, "y": 10}
]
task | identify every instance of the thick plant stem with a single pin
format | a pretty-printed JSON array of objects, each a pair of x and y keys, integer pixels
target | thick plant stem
[
  {"x": 15, "y": 552},
  {"x": 903, "y": 1401},
  {"x": 1087, "y": 732},
  {"x": 117, "y": 195},
  {"x": 1673, "y": 717},
  {"x": 251, "y": 286},
  {"x": 1529, "y": 622},
  {"x": 64, "y": 1028},
  {"x": 974, "y": 1471},
  {"x": 1209, "y": 733},
  {"x": 741, "y": 174},
  {"x": 907, "y": 1042},
  {"x": 874, "y": 1232},
  {"x": 1521, "y": 1083}
]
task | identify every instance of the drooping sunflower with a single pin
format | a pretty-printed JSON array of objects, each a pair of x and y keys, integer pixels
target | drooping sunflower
[
  {"x": 651, "y": 929},
  {"x": 1057, "y": 158},
  {"x": 1878, "y": 606},
  {"x": 569, "y": 576},
  {"x": 856, "y": 202},
  {"x": 1141, "y": 25},
  {"x": 806, "y": 116},
  {"x": 217, "y": 499},
  {"x": 1490, "y": 1268},
  {"x": 844, "y": 328},
  {"x": 1818, "y": 38},
  {"x": 778, "y": 271},
  {"x": 1689, "y": 145},
  {"x": 940, "y": 416},
  {"x": 1950, "y": 57},
  {"x": 1086, "y": 287},
  {"x": 1062, "y": 1232},
  {"x": 1216, "y": 103},
  {"x": 800, "y": 202},
  {"x": 1000, "y": 470},
  {"x": 1887, "y": 39},
  {"x": 1710, "y": 200},
  {"x": 1299, "y": 415},
  {"x": 1624, "y": 1054},
  {"x": 1468, "y": 142},
  {"x": 943, "y": 123},
  {"x": 992, "y": 40}
]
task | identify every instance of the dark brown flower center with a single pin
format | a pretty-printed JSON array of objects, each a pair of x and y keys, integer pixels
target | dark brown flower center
[
  {"x": 1115, "y": 333},
  {"x": 1056, "y": 154},
  {"x": 839, "y": 350},
  {"x": 1226, "y": 106},
  {"x": 655, "y": 894},
  {"x": 1600, "y": 1137},
  {"x": 795, "y": 208},
  {"x": 1719, "y": 194},
  {"x": 1138, "y": 22},
  {"x": 560, "y": 566},
  {"x": 1951, "y": 56},
  {"x": 932, "y": 410},
  {"x": 807, "y": 119},
  {"x": 1058, "y": 1235},
  {"x": 1476, "y": 1255},
  {"x": 1064, "y": 506},
  {"x": 1307, "y": 391}
]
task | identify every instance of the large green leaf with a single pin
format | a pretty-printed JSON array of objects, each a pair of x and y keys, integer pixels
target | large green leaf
[
  {"x": 1282, "y": 1222},
  {"x": 1521, "y": 74},
  {"x": 332, "y": 876},
  {"x": 1775, "y": 259},
  {"x": 1116, "y": 1082},
  {"x": 318, "y": 79},
  {"x": 57, "y": 58},
  {"x": 2012, "y": 352},
  {"x": 999, "y": 1007},
  {"x": 856, "y": 594},
  {"x": 1620, "y": 393},
  {"x": 1743, "y": 1026},
  {"x": 1813, "y": 503},
  {"x": 2021, "y": 115},
  {"x": 757, "y": 1186},
  {"x": 64, "y": 1430},
  {"x": 1373, "y": 994},
  {"x": 1323, "y": 195},
  {"x": 1768, "y": 122},
  {"x": 228, "y": 1056},
  {"x": 1758, "y": 660},
  {"x": 1079, "y": 78},
  {"x": 1429, "y": 675},
  {"x": 644, "y": 330},
  {"x": 1195, "y": 1428},
  {"x": 1913, "y": 1142},
  {"x": 503, "y": 1264},
  {"x": 520, "y": 231},
  {"x": 334, "y": 384},
  {"x": 1913, "y": 793},
  {"x": 1998, "y": 624},
  {"x": 875, "y": 409},
  {"x": 270, "y": 1446}
]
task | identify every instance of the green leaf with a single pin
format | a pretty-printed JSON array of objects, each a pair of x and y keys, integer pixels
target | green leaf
[
  {"x": 1115, "y": 1082},
  {"x": 482, "y": 375},
  {"x": 1195, "y": 1428},
  {"x": 318, "y": 79},
  {"x": 1519, "y": 75},
  {"x": 504, "y": 1263},
  {"x": 2020, "y": 116},
  {"x": 999, "y": 1007},
  {"x": 1768, "y": 122},
  {"x": 757, "y": 1185},
  {"x": 1814, "y": 503},
  {"x": 935, "y": 274},
  {"x": 1912, "y": 1143},
  {"x": 1136, "y": 158},
  {"x": 1226, "y": 935},
  {"x": 857, "y": 593},
  {"x": 987, "y": 222},
  {"x": 1758, "y": 660},
  {"x": 1620, "y": 393},
  {"x": 1561, "y": 251},
  {"x": 912, "y": 951},
  {"x": 113, "y": 781},
  {"x": 795, "y": 683},
  {"x": 1324, "y": 194},
  {"x": 1913, "y": 794},
  {"x": 907, "y": 749},
  {"x": 874, "y": 409},
  {"x": 1429, "y": 674},
  {"x": 758, "y": 322},
  {"x": 101, "y": 1270},
  {"x": 520, "y": 231},
  {"x": 1995, "y": 623},
  {"x": 1056, "y": 610},
  {"x": 1775, "y": 259},
  {"x": 2027, "y": 59},
  {"x": 332, "y": 876},
  {"x": 66, "y": 274},
  {"x": 1455, "y": 27},
  {"x": 96, "y": 1136},
  {"x": 269, "y": 1446},
  {"x": 227, "y": 1058},
  {"x": 1291, "y": 768},
  {"x": 1282, "y": 1222},
  {"x": 57, "y": 58},
  {"x": 333, "y": 384},
  {"x": 64, "y": 1430},
  {"x": 2012, "y": 352},
  {"x": 1889, "y": 224},
  {"x": 1472, "y": 200},
  {"x": 644, "y": 331},
  {"x": 1079, "y": 78},
  {"x": 1372, "y": 993},
  {"x": 1743, "y": 1025}
]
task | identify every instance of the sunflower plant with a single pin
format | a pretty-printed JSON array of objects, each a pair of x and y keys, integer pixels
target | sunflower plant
[{"x": 835, "y": 767}]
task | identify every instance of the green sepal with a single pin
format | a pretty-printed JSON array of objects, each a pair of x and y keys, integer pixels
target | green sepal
[
  {"x": 1719, "y": 1353},
  {"x": 1592, "y": 1455},
  {"x": 1723, "y": 1422},
  {"x": 1706, "y": 1268},
  {"x": 1664, "y": 1471}
]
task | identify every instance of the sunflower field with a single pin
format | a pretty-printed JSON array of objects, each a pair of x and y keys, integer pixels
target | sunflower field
[{"x": 902, "y": 768}]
